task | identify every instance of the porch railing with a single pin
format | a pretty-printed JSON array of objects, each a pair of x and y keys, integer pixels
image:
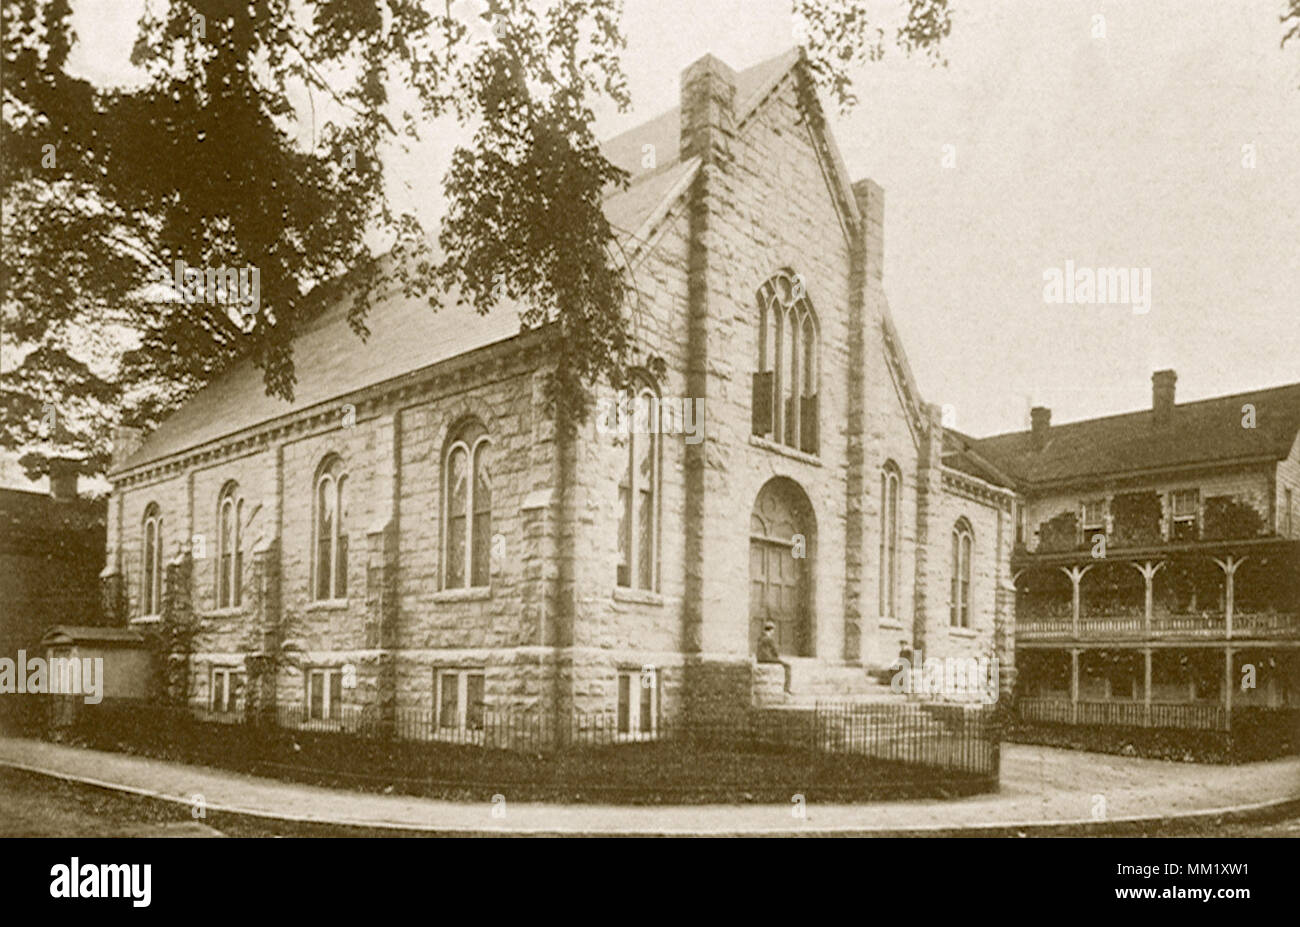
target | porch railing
[
  {"x": 1124, "y": 714},
  {"x": 1248, "y": 624}
]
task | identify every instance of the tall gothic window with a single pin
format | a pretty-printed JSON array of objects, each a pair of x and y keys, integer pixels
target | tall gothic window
[
  {"x": 230, "y": 552},
  {"x": 151, "y": 580},
  {"x": 963, "y": 543},
  {"x": 638, "y": 493},
  {"x": 330, "y": 539},
  {"x": 467, "y": 509},
  {"x": 784, "y": 404},
  {"x": 890, "y": 489}
]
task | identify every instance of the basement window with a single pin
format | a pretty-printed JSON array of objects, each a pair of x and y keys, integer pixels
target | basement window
[
  {"x": 325, "y": 694},
  {"x": 459, "y": 700},
  {"x": 226, "y": 692},
  {"x": 638, "y": 704}
]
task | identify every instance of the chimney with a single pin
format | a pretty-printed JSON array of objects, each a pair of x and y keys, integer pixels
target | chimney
[
  {"x": 1162, "y": 395},
  {"x": 1040, "y": 419},
  {"x": 126, "y": 441},
  {"x": 708, "y": 117},
  {"x": 63, "y": 479}
]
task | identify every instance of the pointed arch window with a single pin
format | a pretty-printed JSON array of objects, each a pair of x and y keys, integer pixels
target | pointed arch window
[
  {"x": 151, "y": 581},
  {"x": 890, "y": 492},
  {"x": 963, "y": 545},
  {"x": 467, "y": 509},
  {"x": 784, "y": 404},
  {"x": 329, "y": 533},
  {"x": 638, "y": 492},
  {"x": 230, "y": 547}
]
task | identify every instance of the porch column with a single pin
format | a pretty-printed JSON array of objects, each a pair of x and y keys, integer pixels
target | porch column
[
  {"x": 1076, "y": 576},
  {"x": 1229, "y": 566},
  {"x": 1148, "y": 571},
  {"x": 1146, "y": 691},
  {"x": 1227, "y": 687},
  {"x": 1074, "y": 686}
]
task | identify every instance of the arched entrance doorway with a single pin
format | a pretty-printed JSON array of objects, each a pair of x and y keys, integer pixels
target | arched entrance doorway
[{"x": 781, "y": 533}]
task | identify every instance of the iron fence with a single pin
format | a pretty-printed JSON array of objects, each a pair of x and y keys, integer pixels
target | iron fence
[{"x": 831, "y": 751}]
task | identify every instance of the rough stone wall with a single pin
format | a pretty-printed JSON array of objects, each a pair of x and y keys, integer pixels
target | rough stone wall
[
  {"x": 434, "y": 618},
  {"x": 891, "y": 436},
  {"x": 553, "y": 629},
  {"x": 225, "y": 631},
  {"x": 760, "y": 203},
  {"x": 991, "y": 630},
  {"x": 172, "y": 497},
  {"x": 391, "y": 453}
]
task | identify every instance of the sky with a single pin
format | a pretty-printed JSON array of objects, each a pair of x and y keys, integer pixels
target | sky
[{"x": 1041, "y": 142}]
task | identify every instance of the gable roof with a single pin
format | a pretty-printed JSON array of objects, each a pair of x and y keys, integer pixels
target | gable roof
[
  {"x": 406, "y": 334},
  {"x": 960, "y": 453},
  {"x": 1206, "y": 432},
  {"x": 626, "y": 150}
]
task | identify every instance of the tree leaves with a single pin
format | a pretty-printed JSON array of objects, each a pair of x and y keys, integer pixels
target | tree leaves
[{"x": 212, "y": 159}]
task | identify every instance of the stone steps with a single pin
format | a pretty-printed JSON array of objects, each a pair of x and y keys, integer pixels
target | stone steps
[
  {"x": 844, "y": 680},
  {"x": 813, "y": 681}
]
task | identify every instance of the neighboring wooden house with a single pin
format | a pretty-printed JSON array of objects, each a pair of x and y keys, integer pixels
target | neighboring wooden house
[{"x": 1158, "y": 558}]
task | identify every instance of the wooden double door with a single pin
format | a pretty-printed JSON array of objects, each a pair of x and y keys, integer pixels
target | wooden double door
[{"x": 780, "y": 546}]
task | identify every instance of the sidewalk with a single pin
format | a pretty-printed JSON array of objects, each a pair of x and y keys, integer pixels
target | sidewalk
[{"x": 1044, "y": 789}]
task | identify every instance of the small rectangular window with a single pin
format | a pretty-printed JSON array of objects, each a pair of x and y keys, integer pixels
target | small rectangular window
[
  {"x": 638, "y": 703},
  {"x": 325, "y": 694},
  {"x": 459, "y": 695},
  {"x": 1094, "y": 518},
  {"x": 226, "y": 694},
  {"x": 1184, "y": 506}
]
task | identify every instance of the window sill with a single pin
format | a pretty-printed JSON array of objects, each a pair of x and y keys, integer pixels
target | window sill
[
  {"x": 637, "y": 596},
  {"x": 147, "y": 619},
  {"x": 785, "y": 450},
  {"x": 327, "y": 605},
  {"x": 472, "y": 594},
  {"x": 237, "y": 611},
  {"x": 890, "y": 624},
  {"x": 962, "y": 632}
]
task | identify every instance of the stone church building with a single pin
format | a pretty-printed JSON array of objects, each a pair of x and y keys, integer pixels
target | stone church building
[{"x": 413, "y": 533}]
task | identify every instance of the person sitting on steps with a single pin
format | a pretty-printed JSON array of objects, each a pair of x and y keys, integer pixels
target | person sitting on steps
[{"x": 767, "y": 652}]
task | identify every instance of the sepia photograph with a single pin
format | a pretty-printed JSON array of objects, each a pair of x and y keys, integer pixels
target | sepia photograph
[{"x": 650, "y": 418}]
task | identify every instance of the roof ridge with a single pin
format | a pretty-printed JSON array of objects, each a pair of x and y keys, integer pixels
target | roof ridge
[
  {"x": 1147, "y": 411},
  {"x": 236, "y": 397}
]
